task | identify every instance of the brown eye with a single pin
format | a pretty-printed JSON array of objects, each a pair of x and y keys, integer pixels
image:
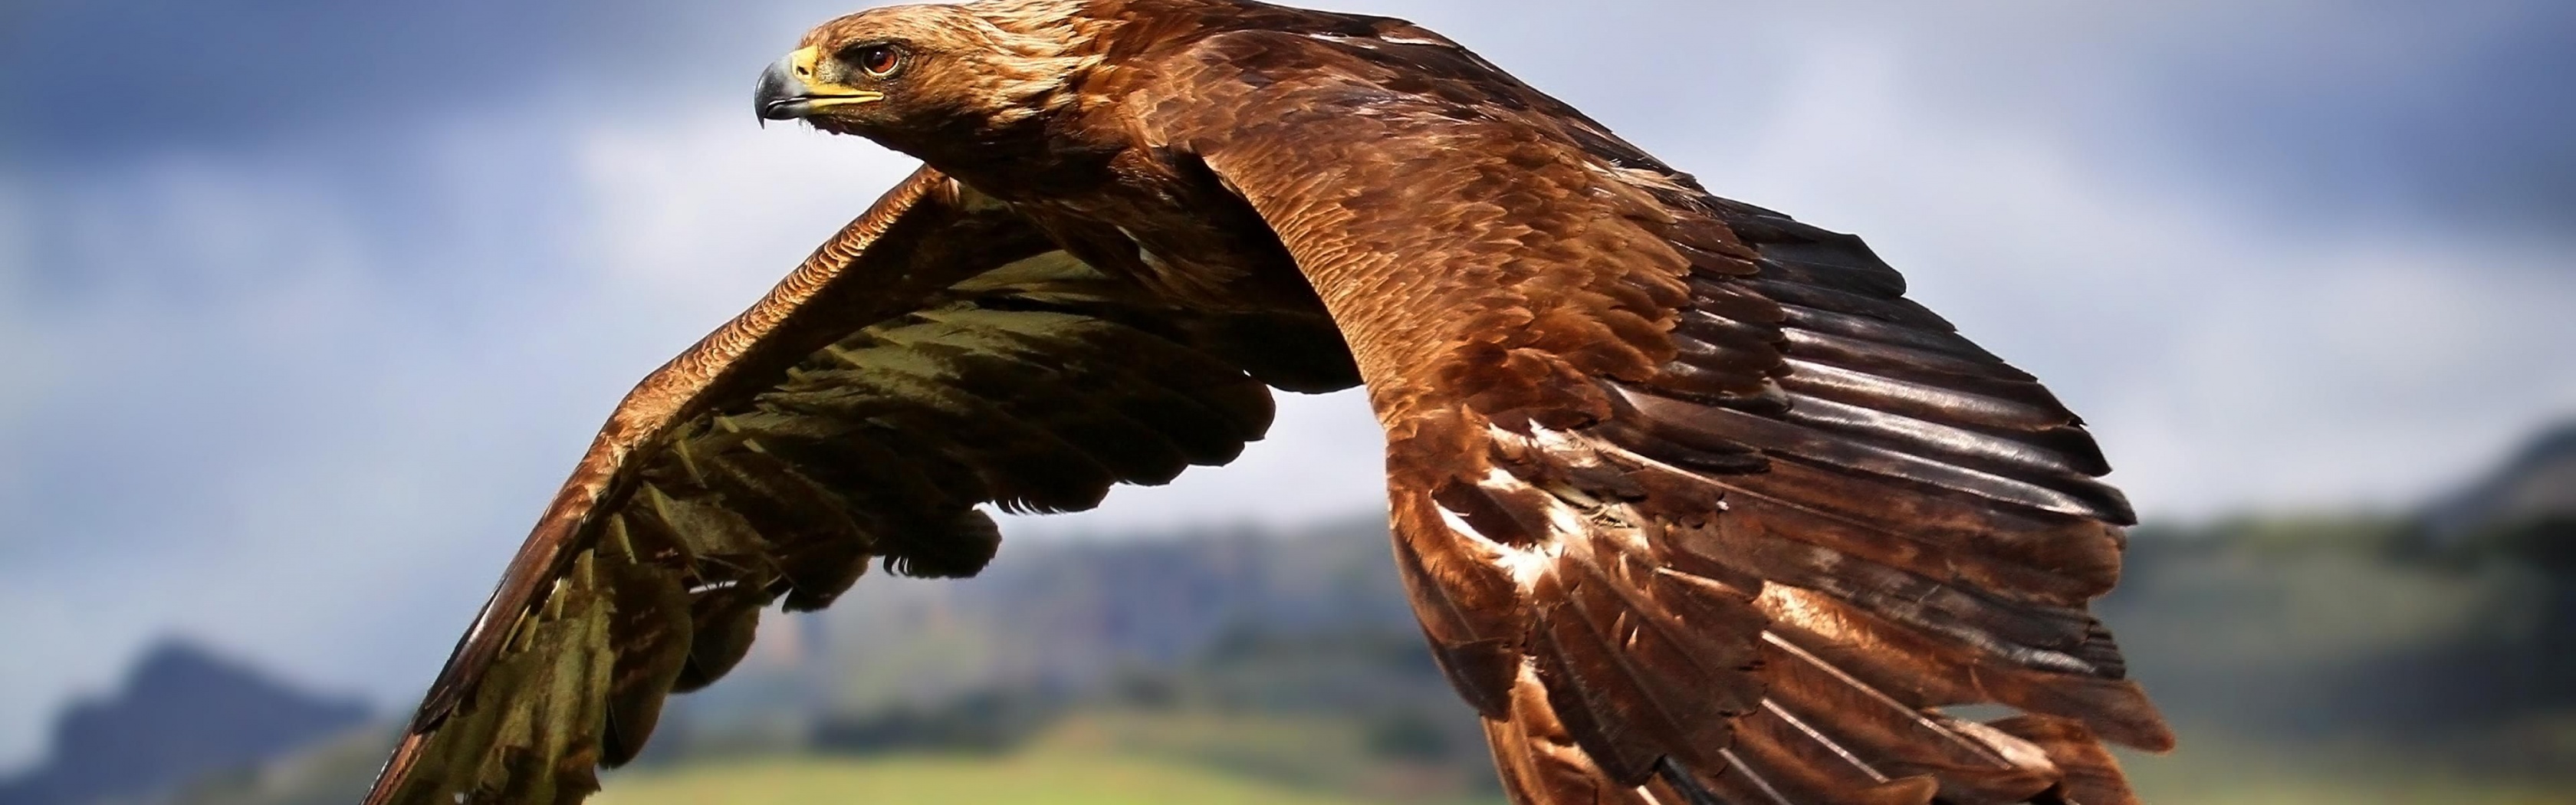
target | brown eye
[{"x": 878, "y": 60}]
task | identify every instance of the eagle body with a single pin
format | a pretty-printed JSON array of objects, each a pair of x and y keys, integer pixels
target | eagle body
[{"x": 1692, "y": 504}]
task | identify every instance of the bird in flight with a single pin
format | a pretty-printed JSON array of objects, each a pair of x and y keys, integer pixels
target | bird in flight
[{"x": 1692, "y": 504}]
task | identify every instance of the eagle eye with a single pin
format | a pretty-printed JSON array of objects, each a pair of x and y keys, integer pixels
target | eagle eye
[{"x": 878, "y": 61}]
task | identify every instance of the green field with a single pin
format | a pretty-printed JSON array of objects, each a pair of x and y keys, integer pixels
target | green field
[
  {"x": 1094, "y": 758},
  {"x": 2211, "y": 773},
  {"x": 1101, "y": 758},
  {"x": 2212, "y": 770},
  {"x": 1053, "y": 779}
]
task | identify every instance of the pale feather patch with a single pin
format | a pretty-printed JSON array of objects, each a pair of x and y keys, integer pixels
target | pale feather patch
[
  {"x": 1616, "y": 521},
  {"x": 1791, "y": 605},
  {"x": 1399, "y": 39},
  {"x": 2014, "y": 750},
  {"x": 1341, "y": 39},
  {"x": 1651, "y": 179},
  {"x": 1154, "y": 261},
  {"x": 1147, "y": 256},
  {"x": 1526, "y": 565},
  {"x": 1576, "y": 520},
  {"x": 972, "y": 200}
]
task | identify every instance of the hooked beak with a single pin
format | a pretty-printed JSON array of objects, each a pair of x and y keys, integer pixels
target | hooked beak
[{"x": 789, "y": 89}]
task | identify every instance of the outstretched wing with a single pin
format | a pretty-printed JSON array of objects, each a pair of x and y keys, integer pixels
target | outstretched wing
[
  {"x": 1694, "y": 506},
  {"x": 937, "y": 355}
]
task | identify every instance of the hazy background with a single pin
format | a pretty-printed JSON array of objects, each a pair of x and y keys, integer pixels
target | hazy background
[{"x": 306, "y": 306}]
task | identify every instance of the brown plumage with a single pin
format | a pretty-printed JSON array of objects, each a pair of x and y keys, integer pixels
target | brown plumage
[{"x": 1693, "y": 504}]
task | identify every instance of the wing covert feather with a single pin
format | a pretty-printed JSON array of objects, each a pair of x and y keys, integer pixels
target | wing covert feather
[
  {"x": 936, "y": 356},
  {"x": 1694, "y": 505}
]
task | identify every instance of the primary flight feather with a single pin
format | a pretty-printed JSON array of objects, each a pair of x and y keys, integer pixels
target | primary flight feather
[{"x": 1693, "y": 505}]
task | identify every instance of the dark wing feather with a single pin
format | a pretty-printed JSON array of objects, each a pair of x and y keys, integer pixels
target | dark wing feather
[
  {"x": 1694, "y": 505},
  {"x": 936, "y": 356}
]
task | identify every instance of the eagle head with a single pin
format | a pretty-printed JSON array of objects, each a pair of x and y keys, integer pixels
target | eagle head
[{"x": 921, "y": 78}]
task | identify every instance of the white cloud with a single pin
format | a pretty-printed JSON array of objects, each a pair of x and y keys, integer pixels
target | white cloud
[
  {"x": 193, "y": 319},
  {"x": 2227, "y": 358},
  {"x": 712, "y": 207},
  {"x": 26, "y": 370}
]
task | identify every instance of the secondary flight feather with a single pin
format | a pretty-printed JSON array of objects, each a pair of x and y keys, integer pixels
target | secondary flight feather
[{"x": 1694, "y": 506}]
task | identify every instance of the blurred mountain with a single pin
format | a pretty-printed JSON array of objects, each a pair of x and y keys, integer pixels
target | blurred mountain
[
  {"x": 1279, "y": 628},
  {"x": 2446, "y": 635},
  {"x": 2525, "y": 508},
  {"x": 182, "y": 713},
  {"x": 2539, "y": 481},
  {"x": 1066, "y": 615}
]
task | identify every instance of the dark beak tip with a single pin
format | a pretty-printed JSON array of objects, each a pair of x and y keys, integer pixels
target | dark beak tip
[{"x": 776, "y": 96}]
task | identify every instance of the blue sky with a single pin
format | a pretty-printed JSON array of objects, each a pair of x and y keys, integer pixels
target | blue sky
[{"x": 305, "y": 306}]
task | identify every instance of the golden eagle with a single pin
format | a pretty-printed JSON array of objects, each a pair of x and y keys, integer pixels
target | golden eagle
[{"x": 1693, "y": 505}]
